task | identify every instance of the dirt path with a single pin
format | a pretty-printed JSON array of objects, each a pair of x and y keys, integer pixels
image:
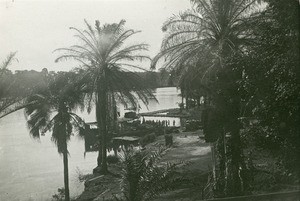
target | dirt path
[
  {"x": 187, "y": 147},
  {"x": 195, "y": 153}
]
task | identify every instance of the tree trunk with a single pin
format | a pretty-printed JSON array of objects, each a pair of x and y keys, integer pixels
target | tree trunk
[
  {"x": 182, "y": 98},
  {"x": 104, "y": 132},
  {"x": 187, "y": 93},
  {"x": 99, "y": 158},
  {"x": 198, "y": 102},
  {"x": 236, "y": 160},
  {"x": 222, "y": 160},
  {"x": 66, "y": 176},
  {"x": 101, "y": 116},
  {"x": 213, "y": 158},
  {"x": 236, "y": 186},
  {"x": 63, "y": 110},
  {"x": 98, "y": 118},
  {"x": 102, "y": 103}
]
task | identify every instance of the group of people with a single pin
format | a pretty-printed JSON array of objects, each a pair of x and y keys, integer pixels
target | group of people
[{"x": 166, "y": 123}]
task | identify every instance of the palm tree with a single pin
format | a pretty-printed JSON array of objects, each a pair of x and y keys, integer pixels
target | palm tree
[
  {"x": 9, "y": 101},
  {"x": 51, "y": 110},
  {"x": 105, "y": 63},
  {"x": 199, "y": 41}
]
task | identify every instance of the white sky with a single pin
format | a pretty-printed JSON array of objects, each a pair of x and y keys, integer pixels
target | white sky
[{"x": 35, "y": 28}]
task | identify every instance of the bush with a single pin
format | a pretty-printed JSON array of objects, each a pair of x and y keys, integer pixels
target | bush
[
  {"x": 147, "y": 139},
  {"x": 142, "y": 177},
  {"x": 193, "y": 125},
  {"x": 112, "y": 159},
  {"x": 169, "y": 140},
  {"x": 60, "y": 196},
  {"x": 159, "y": 130},
  {"x": 170, "y": 130}
]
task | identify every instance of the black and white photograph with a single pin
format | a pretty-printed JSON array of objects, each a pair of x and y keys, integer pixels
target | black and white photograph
[{"x": 149, "y": 100}]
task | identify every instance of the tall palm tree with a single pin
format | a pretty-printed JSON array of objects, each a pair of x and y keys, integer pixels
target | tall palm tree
[
  {"x": 106, "y": 63},
  {"x": 51, "y": 110},
  {"x": 199, "y": 41}
]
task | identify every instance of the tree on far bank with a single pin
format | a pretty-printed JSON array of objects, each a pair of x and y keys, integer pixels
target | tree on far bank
[
  {"x": 16, "y": 87},
  {"x": 105, "y": 64},
  {"x": 9, "y": 100},
  {"x": 51, "y": 109}
]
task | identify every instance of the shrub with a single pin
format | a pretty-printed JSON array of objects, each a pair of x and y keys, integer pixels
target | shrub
[
  {"x": 142, "y": 179},
  {"x": 193, "y": 125},
  {"x": 159, "y": 130},
  {"x": 60, "y": 196},
  {"x": 147, "y": 139},
  {"x": 112, "y": 159},
  {"x": 169, "y": 140}
]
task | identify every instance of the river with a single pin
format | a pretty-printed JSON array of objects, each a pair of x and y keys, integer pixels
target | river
[{"x": 32, "y": 170}]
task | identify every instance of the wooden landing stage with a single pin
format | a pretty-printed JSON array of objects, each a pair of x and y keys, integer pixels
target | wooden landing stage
[{"x": 174, "y": 112}]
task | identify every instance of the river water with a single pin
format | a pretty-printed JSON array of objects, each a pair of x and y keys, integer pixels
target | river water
[{"x": 32, "y": 170}]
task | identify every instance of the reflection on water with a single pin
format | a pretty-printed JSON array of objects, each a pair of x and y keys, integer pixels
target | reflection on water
[{"x": 31, "y": 170}]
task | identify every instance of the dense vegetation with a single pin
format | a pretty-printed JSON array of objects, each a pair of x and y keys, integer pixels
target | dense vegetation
[
  {"x": 238, "y": 60},
  {"x": 242, "y": 59}
]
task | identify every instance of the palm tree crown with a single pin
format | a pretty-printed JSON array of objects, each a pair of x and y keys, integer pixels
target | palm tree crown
[
  {"x": 52, "y": 110},
  {"x": 203, "y": 36},
  {"x": 106, "y": 62}
]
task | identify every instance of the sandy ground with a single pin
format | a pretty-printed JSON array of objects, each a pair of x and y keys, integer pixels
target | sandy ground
[
  {"x": 195, "y": 155},
  {"x": 188, "y": 149}
]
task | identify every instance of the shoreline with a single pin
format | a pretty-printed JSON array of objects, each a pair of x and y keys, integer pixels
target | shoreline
[
  {"x": 172, "y": 112},
  {"x": 187, "y": 147}
]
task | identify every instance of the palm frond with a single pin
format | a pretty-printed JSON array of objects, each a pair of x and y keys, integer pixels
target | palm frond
[
  {"x": 61, "y": 133},
  {"x": 9, "y": 59},
  {"x": 218, "y": 27},
  {"x": 143, "y": 178},
  {"x": 38, "y": 113},
  {"x": 9, "y": 106}
]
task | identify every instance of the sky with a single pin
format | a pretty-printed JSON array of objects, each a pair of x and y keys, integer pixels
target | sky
[{"x": 36, "y": 28}]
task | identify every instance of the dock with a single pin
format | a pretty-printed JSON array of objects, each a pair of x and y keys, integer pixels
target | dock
[{"x": 173, "y": 112}]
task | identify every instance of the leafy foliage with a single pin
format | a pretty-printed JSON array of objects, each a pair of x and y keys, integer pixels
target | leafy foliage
[
  {"x": 198, "y": 45},
  {"x": 147, "y": 139},
  {"x": 270, "y": 84},
  {"x": 60, "y": 196},
  {"x": 143, "y": 178},
  {"x": 112, "y": 159}
]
